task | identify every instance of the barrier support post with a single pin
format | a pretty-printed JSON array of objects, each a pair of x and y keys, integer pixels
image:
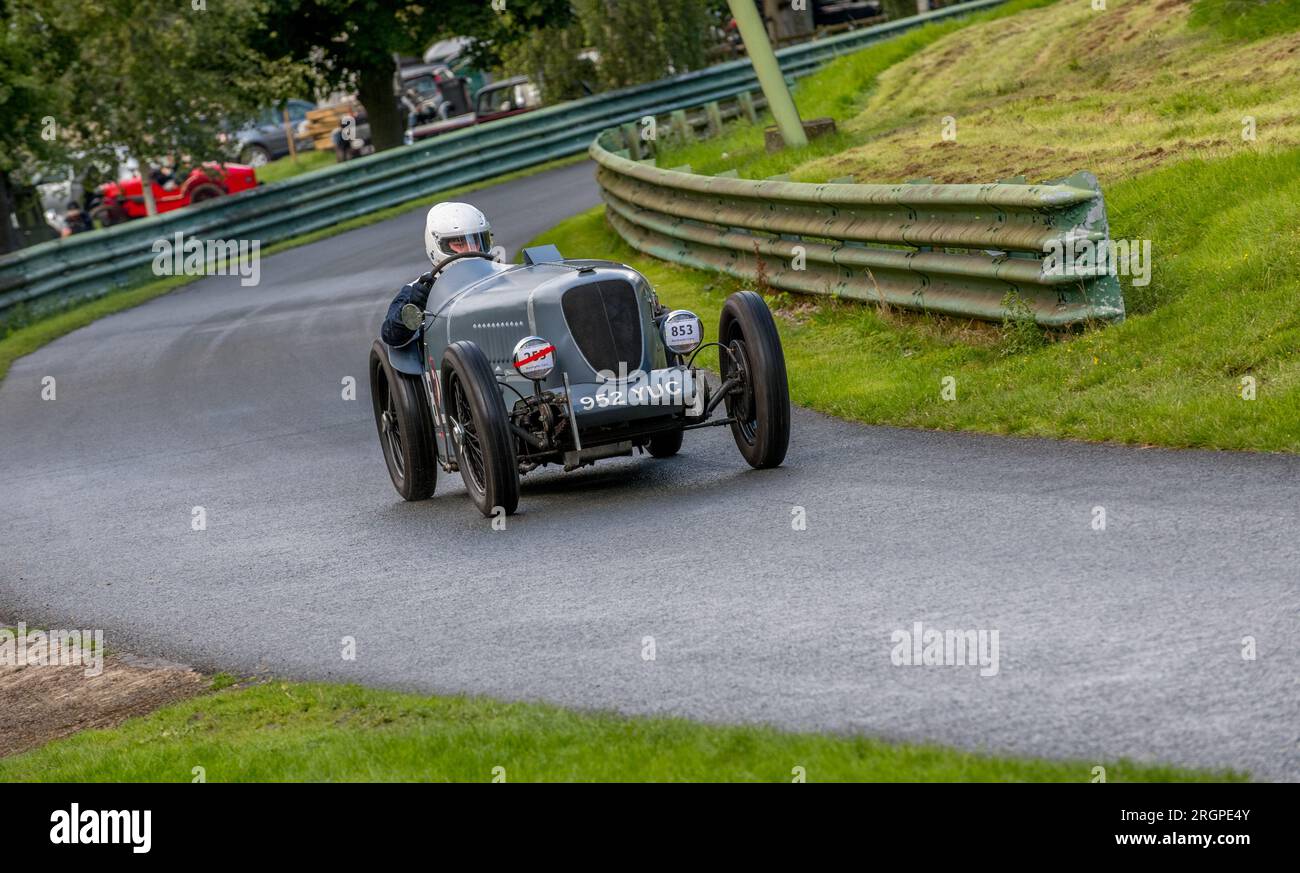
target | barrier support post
[{"x": 768, "y": 71}]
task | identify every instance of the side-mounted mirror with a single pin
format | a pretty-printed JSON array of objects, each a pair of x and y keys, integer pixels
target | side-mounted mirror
[
  {"x": 498, "y": 254},
  {"x": 412, "y": 316}
]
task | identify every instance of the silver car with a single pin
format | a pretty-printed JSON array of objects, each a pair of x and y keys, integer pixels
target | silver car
[
  {"x": 554, "y": 361},
  {"x": 264, "y": 139}
]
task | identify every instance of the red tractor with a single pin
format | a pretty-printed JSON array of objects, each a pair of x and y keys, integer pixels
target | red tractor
[{"x": 124, "y": 200}]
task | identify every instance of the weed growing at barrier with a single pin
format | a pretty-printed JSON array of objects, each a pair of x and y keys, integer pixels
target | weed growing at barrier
[{"x": 1019, "y": 332}]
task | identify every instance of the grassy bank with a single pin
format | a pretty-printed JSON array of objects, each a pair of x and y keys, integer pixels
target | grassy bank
[
  {"x": 27, "y": 338},
  {"x": 1048, "y": 90},
  {"x": 291, "y": 731}
]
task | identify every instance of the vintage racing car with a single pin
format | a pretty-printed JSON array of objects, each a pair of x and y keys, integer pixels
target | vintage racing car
[
  {"x": 116, "y": 202},
  {"x": 566, "y": 362}
]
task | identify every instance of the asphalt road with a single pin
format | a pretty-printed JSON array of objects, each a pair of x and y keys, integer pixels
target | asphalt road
[{"x": 1123, "y": 642}]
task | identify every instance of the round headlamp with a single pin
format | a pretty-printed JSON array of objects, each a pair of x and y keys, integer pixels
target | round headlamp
[
  {"x": 682, "y": 331},
  {"x": 534, "y": 358}
]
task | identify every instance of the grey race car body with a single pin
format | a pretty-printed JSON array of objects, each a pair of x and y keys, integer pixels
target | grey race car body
[
  {"x": 599, "y": 315},
  {"x": 615, "y": 386}
]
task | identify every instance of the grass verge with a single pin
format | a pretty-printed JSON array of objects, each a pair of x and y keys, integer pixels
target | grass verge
[
  {"x": 25, "y": 339},
  {"x": 281, "y": 731},
  {"x": 287, "y": 167}
]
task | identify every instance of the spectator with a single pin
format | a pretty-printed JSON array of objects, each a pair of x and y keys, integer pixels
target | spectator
[{"x": 75, "y": 220}]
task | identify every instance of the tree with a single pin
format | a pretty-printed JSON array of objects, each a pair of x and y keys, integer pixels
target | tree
[
  {"x": 644, "y": 40},
  {"x": 159, "y": 78},
  {"x": 84, "y": 83},
  {"x": 630, "y": 41},
  {"x": 31, "y": 100},
  {"x": 553, "y": 57},
  {"x": 354, "y": 43}
]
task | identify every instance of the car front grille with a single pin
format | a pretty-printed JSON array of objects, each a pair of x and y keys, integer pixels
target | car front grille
[{"x": 605, "y": 320}]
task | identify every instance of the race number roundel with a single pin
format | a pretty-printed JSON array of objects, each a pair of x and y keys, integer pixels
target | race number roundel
[
  {"x": 534, "y": 358},
  {"x": 682, "y": 331}
]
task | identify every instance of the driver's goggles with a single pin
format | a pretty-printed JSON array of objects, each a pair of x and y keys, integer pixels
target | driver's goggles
[{"x": 474, "y": 242}]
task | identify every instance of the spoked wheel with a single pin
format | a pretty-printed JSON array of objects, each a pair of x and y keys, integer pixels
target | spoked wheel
[
  {"x": 753, "y": 355},
  {"x": 405, "y": 431},
  {"x": 390, "y": 429},
  {"x": 480, "y": 428},
  {"x": 469, "y": 447}
]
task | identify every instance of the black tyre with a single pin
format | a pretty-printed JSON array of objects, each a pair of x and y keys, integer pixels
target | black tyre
[
  {"x": 762, "y": 406},
  {"x": 206, "y": 191},
  {"x": 405, "y": 427},
  {"x": 476, "y": 414},
  {"x": 255, "y": 155},
  {"x": 665, "y": 445}
]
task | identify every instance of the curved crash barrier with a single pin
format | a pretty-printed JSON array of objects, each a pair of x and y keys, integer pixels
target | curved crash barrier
[
  {"x": 979, "y": 251},
  {"x": 56, "y": 274}
]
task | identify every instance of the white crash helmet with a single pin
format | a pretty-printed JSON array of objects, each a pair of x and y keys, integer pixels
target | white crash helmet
[{"x": 452, "y": 228}]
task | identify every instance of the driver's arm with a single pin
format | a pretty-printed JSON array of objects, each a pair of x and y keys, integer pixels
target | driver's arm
[{"x": 394, "y": 332}]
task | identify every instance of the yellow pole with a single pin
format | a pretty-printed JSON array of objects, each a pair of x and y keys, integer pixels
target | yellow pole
[
  {"x": 288, "y": 130},
  {"x": 759, "y": 48}
]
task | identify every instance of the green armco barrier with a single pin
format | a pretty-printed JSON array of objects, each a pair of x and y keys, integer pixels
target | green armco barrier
[
  {"x": 977, "y": 251},
  {"x": 55, "y": 274}
]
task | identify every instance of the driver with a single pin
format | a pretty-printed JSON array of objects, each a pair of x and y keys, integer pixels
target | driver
[
  {"x": 449, "y": 229},
  {"x": 166, "y": 176}
]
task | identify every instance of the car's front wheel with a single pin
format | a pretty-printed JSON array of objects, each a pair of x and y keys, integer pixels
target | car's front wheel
[
  {"x": 405, "y": 432},
  {"x": 480, "y": 428},
  {"x": 761, "y": 403}
]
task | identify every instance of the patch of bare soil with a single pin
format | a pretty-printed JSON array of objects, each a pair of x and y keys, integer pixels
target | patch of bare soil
[{"x": 43, "y": 702}]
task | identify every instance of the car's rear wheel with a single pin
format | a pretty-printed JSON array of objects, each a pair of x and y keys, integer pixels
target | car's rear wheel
[
  {"x": 405, "y": 432},
  {"x": 480, "y": 427},
  {"x": 761, "y": 405},
  {"x": 206, "y": 191}
]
